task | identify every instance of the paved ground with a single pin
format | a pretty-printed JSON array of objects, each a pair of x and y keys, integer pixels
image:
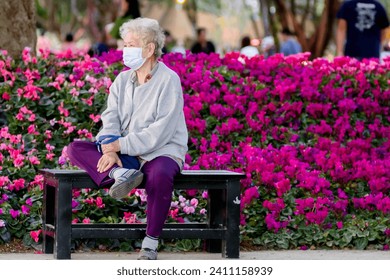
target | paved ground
[{"x": 256, "y": 255}]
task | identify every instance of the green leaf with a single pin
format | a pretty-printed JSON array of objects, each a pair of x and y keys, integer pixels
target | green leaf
[
  {"x": 6, "y": 236},
  {"x": 361, "y": 243}
]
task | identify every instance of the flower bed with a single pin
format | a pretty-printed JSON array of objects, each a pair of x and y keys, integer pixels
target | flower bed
[{"x": 312, "y": 138}]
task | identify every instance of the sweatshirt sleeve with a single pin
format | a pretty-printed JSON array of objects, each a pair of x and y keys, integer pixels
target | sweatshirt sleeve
[
  {"x": 110, "y": 116},
  {"x": 161, "y": 131}
]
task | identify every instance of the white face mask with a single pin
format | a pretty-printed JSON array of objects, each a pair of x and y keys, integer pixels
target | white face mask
[{"x": 132, "y": 57}]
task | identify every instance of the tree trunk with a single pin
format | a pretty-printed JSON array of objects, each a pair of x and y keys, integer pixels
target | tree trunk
[
  {"x": 17, "y": 26},
  {"x": 264, "y": 11},
  {"x": 192, "y": 11},
  {"x": 321, "y": 38},
  {"x": 317, "y": 42}
]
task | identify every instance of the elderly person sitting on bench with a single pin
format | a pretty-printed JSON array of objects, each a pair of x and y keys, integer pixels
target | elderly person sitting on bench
[{"x": 143, "y": 140}]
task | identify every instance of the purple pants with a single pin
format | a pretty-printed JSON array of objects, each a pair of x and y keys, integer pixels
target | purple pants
[{"x": 159, "y": 174}]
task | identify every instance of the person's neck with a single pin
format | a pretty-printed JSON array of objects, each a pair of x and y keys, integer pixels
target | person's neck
[{"x": 145, "y": 70}]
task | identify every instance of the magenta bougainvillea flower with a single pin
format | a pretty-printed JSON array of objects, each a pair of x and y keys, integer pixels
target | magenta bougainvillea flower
[{"x": 311, "y": 137}]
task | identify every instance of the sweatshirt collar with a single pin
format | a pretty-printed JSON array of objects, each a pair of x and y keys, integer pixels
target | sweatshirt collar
[{"x": 134, "y": 78}]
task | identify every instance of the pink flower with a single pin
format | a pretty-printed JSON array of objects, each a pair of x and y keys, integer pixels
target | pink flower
[
  {"x": 89, "y": 200},
  {"x": 6, "y": 96},
  {"x": 62, "y": 160},
  {"x": 86, "y": 221},
  {"x": 32, "y": 130},
  {"x": 194, "y": 202},
  {"x": 19, "y": 161},
  {"x": 192, "y": 192},
  {"x": 62, "y": 110},
  {"x": 188, "y": 209},
  {"x": 249, "y": 195},
  {"x": 3, "y": 181},
  {"x": 74, "y": 92},
  {"x": 130, "y": 218},
  {"x": 50, "y": 156},
  {"x": 95, "y": 118},
  {"x": 17, "y": 184},
  {"x": 25, "y": 210},
  {"x": 339, "y": 225},
  {"x": 35, "y": 235},
  {"x": 99, "y": 202},
  {"x": 28, "y": 201},
  {"x": 2, "y": 223},
  {"x": 282, "y": 187},
  {"x": 34, "y": 160},
  {"x": 26, "y": 55},
  {"x": 276, "y": 207},
  {"x": 317, "y": 217},
  {"x": 173, "y": 213},
  {"x": 273, "y": 224},
  {"x": 14, "y": 213},
  {"x": 38, "y": 181}
]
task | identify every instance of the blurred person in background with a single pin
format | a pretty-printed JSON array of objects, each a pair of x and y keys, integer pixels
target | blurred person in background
[
  {"x": 69, "y": 42},
  {"x": 268, "y": 46},
  {"x": 202, "y": 45},
  {"x": 360, "y": 28},
  {"x": 107, "y": 43},
  {"x": 169, "y": 42},
  {"x": 129, "y": 10},
  {"x": 179, "y": 47},
  {"x": 289, "y": 44},
  {"x": 247, "y": 49},
  {"x": 386, "y": 52},
  {"x": 75, "y": 42}
]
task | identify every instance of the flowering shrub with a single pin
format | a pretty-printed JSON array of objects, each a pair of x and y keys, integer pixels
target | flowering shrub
[{"x": 312, "y": 138}]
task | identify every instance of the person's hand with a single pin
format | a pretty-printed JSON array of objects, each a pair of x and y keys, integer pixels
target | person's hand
[
  {"x": 107, "y": 161},
  {"x": 111, "y": 148}
]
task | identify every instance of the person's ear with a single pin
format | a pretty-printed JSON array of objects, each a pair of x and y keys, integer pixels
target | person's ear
[{"x": 150, "y": 50}]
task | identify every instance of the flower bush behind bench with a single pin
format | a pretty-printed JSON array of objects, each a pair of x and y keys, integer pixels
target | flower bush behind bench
[{"x": 311, "y": 136}]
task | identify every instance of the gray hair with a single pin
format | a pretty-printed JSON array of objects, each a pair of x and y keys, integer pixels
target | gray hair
[{"x": 148, "y": 30}]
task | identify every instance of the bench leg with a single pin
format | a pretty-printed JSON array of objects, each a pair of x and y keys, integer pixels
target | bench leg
[
  {"x": 231, "y": 245},
  {"x": 47, "y": 218},
  {"x": 217, "y": 217},
  {"x": 63, "y": 220}
]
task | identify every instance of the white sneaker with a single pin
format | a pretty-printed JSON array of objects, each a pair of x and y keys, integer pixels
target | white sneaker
[
  {"x": 147, "y": 254},
  {"x": 125, "y": 183}
]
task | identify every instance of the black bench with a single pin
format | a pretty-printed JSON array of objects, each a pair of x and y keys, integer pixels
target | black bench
[{"x": 221, "y": 232}]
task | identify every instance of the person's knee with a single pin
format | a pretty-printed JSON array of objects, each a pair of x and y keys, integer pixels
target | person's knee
[
  {"x": 159, "y": 179},
  {"x": 160, "y": 174}
]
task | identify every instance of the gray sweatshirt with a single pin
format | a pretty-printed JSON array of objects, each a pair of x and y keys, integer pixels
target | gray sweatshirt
[{"x": 149, "y": 117}]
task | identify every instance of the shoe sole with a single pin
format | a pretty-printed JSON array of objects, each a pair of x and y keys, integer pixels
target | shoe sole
[
  {"x": 147, "y": 256},
  {"x": 123, "y": 189}
]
